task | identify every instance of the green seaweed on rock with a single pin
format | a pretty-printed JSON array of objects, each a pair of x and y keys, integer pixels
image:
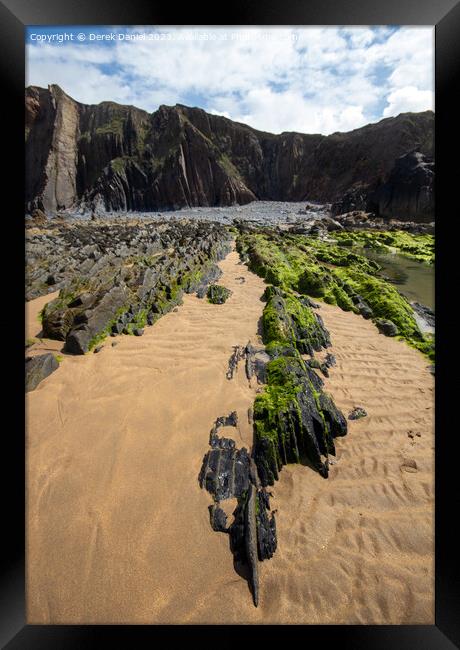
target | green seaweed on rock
[
  {"x": 294, "y": 420},
  {"x": 290, "y": 423},
  {"x": 419, "y": 247},
  {"x": 338, "y": 276},
  {"x": 286, "y": 319},
  {"x": 217, "y": 294}
]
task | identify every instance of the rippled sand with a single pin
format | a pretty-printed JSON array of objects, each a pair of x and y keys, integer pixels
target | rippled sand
[{"x": 118, "y": 528}]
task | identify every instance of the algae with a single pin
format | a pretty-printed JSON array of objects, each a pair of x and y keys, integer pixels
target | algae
[{"x": 336, "y": 275}]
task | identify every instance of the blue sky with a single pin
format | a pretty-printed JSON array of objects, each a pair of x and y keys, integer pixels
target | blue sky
[{"x": 312, "y": 79}]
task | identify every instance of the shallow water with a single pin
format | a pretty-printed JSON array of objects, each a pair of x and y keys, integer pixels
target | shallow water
[{"x": 414, "y": 279}]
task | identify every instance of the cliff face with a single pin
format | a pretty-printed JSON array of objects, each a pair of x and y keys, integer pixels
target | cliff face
[{"x": 115, "y": 157}]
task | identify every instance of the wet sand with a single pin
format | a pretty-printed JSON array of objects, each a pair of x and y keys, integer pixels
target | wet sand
[{"x": 118, "y": 527}]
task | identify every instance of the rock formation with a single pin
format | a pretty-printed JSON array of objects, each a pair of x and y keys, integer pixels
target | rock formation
[
  {"x": 406, "y": 194},
  {"x": 227, "y": 473},
  {"x": 113, "y": 157},
  {"x": 116, "y": 278},
  {"x": 38, "y": 368}
]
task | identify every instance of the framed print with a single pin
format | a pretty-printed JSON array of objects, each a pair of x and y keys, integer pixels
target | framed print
[{"x": 237, "y": 245}]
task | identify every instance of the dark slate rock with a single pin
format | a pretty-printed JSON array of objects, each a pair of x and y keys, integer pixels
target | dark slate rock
[
  {"x": 251, "y": 541},
  {"x": 117, "y": 328},
  {"x": 138, "y": 331},
  {"x": 218, "y": 519},
  {"x": 364, "y": 309},
  {"x": 266, "y": 528},
  {"x": 39, "y": 367},
  {"x": 256, "y": 363},
  {"x": 307, "y": 339},
  {"x": 79, "y": 339},
  {"x": 210, "y": 276},
  {"x": 318, "y": 365},
  {"x": 425, "y": 313},
  {"x": 333, "y": 416},
  {"x": 225, "y": 471},
  {"x": 354, "y": 199},
  {"x": 56, "y": 321},
  {"x": 408, "y": 192}
]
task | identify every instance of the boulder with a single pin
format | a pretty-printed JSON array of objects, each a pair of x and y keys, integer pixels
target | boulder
[
  {"x": 38, "y": 368},
  {"x": 217, "y": 294},
  {"x": 386, "y": 327}
]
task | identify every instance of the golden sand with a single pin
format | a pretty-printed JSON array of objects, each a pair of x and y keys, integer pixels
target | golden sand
[{"x": 118, "y": 527}]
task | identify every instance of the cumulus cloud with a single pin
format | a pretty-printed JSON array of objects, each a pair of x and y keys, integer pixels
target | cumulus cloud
[
  {"x": 316, "y": 80},
  {"x": 406, "y": 99}
]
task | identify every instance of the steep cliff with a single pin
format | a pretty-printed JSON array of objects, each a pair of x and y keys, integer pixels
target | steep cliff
[{"x": 115, "y": 157}]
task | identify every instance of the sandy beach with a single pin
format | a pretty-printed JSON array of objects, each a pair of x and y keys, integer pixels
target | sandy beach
[{"x": 118, "y": 528}]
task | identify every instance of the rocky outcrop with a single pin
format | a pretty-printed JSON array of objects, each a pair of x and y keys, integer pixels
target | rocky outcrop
[
  {"x": 118, "y": 277},
  {"x": 338, "y": 275},
  {"x": 291, "y": 319},
  {"x": 52, "y": 132},
  {"x": 113, "y": 157},
  {"x": 407, "y": 194},
  {"x": 356, "y": 199},
  {"x": 295, "y": 422},
  {"x": 227, "y": 473}
]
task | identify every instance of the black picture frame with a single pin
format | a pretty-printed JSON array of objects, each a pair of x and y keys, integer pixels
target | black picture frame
[{"x": 445, "y": 15}]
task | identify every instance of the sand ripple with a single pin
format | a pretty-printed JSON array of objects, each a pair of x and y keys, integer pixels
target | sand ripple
[{"x": 118, "y": 529}]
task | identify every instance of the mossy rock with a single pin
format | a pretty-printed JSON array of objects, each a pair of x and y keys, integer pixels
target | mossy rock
[
  {"x": 218, "y": 294},
  {"x": 286, "y": 320},
  {"x": 293, "y": 421},
  {"x": 299, "y": 263}
]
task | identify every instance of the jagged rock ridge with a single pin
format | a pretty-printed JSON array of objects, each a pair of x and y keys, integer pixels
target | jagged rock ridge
[
  {"x": 119, "y": 277},
  {"x": 114, "y": 157}
]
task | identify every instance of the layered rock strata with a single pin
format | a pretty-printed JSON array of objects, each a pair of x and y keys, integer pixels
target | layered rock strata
[
  {"x": 112, "y": 157},
  {"x": 117, "y": 278},
  {"x": 227, "y": 473}
]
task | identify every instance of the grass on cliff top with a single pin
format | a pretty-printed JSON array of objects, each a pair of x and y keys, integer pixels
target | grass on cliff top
[{"x": 327, "y": 271}]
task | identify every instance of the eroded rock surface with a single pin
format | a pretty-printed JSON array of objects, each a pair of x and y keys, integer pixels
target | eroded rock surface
[
  {"x": 110, "y": 157},
  {"x": 406, "y": 194},
  {"x": 228, "y": 472},
  {"x": 38, "y": 368},
  {"x": 118, "y": 277}
]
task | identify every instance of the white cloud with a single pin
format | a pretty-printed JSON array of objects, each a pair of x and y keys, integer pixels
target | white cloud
[
  {"x": 281, "y": 79},
  {"x": 407, "y": 99}
]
